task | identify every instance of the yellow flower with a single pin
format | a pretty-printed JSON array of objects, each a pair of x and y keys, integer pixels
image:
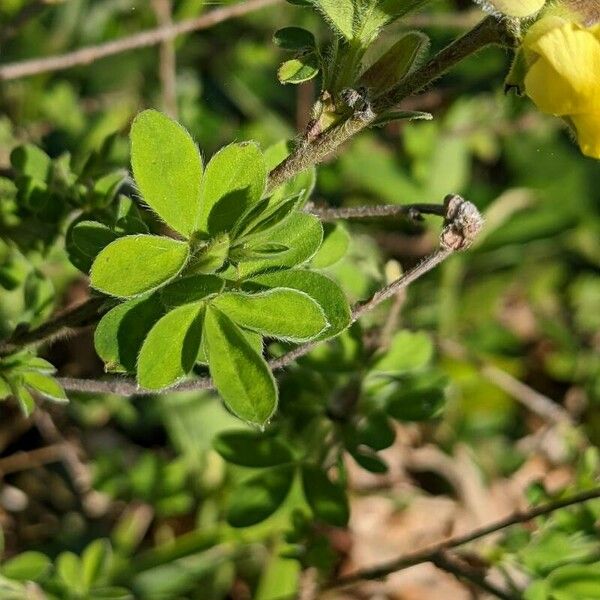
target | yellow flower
[{"x": 563, "y": 75}]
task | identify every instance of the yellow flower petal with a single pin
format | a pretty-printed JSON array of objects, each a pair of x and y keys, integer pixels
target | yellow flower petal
[
  {"x": 565, "y": 79},
  {"x": 588, "y": 133}
]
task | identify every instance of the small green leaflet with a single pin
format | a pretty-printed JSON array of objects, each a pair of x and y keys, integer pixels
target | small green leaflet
[
  {"x": 241, "y": 375},
  {"x": 135, "y": 264},
  {"x": 281, "y": 313},
  {"x": 171, "y": 348},
  {"x": 168, "y": 169}
]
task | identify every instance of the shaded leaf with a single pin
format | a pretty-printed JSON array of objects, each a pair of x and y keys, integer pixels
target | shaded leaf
[
  {"x": 303, "y": 234},
  {"x": 251, "y": 449},
  {"x": 294, "y": 39},
  {"x": 235, "y": 179},
  {"x": 327, "y": 500},
  {"x": 190, "y": 289},
  {"x": 416, "y": 405},
  {"x": 260, "y": 496},
  {"x": 121, "y": 332}
]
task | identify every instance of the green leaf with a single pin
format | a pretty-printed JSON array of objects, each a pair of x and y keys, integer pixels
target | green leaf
[
  {"x": 280, "y": 578},
  {"x": 408, "y": 351},
  {"x": 171, "y": 348},
  {"x": 260, "y": 496},
  {"x": 326, "y": 292},
  {"x": 416, "y": 405},
  {"x": 376, "y": 432},
  {"x": 251, "y": 449},
  {"x": 369, "y": 461},
  {"x": 303, "y": 234},
  {"x": 281, "y": 313},
  {"x": 95, "y": 562},
  {"x": 136, "y": 264},
  {"x": 190, "y": 289},
  {"x": 68, "y": 567},
  {"x": 5, "y": 389},
  {"x": 294, "y": 39},
  {"x": 35, "y": 363},
  {"x": 402, "y": 58},
  {"x": 46, "y": 386},
  {"x": 31, "y": 161},
  {"x": 326, "y": 499},
  {"x": 241, "y": 375},
  {"x": 27, "y": 566},
  {"x": 575, "y": 582},
  {"x": 335, "y": 245},
  {"x": 300, "y": 69},
  {"x": 379, "y": 13},
  {"x": 85, "y": 240},
  {"x": 402, "y": 115},
  {"x": 121, "y": 332},
  {"x": 235, "y": 179},
  {"x": 168, "y": 169},
  {"x": 25, "y": 400},
  {"x": 254, "y": 339},
  {"x": 339, "y": 14}
]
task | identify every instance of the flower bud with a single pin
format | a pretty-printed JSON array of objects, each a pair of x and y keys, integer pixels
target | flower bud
[{"x": 520, "y": 9}]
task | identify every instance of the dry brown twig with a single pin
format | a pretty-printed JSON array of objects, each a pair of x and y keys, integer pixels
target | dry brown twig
[
  {"x": 152, "y": 37},
  {"x": 167, "y": 64},
  {"x": 429, "y": 554}
]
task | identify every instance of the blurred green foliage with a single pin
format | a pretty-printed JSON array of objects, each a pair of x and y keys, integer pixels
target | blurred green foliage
[{"x": 181, "y": 500}]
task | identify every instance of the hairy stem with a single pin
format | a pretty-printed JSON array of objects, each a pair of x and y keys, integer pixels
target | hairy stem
[
  {"x": 487, "y": 32},
  {"x": 411, "y": 211}
]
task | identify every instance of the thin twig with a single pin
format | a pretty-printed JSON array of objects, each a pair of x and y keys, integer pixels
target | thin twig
[
  {"x": 29, "y": 460},
  {"x": 428, "y": 554},
  {"x": 167, "y": 64},
  {"x": 450, "y": 564},
  {"x": 411, "y": 211},
  {"x": 90, "y": 54},
  {"x": 531, "y": 399},
  {"x": 393, "y": 319},
  {"x": 94, "y": 502},
  {"x": 82, "y": 315}
]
